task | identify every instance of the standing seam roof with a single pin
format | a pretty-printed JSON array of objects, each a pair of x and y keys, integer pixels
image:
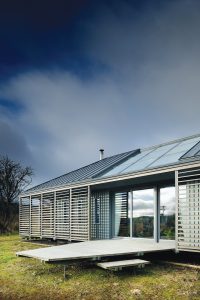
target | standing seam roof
[{"x": 88, "y": 172}]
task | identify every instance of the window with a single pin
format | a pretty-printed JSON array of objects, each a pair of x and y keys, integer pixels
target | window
[
  {"x": 167, "y": 213},
  {"x": 143, "y": 213}
]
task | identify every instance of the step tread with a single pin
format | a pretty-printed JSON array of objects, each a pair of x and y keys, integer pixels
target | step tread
[{"x": 122, "y": 263}]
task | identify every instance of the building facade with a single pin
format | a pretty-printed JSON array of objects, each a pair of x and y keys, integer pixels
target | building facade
[{"x": 151, "y": 193}]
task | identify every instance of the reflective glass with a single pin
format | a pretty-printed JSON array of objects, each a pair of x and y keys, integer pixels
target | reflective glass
[
  {"x": 173, "y": 155},
  {"x": 167, "y": 213},
  {"x": 143, "y": 213},
  {"x": 160, "y": 156},
  {"x": 195, "y": 149},
  {"x": 184, "y": 146},
  {"x": 121, "y": 167},
  {"x": 168, "y": 159},
  {"x": 149, "y": 159}
]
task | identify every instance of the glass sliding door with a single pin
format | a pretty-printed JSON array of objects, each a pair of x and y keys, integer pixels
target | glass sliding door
[
  {"x": 167, "y": 213},
  {"x": 121, "y": 215},
  {"x": 134, "y": 213},
  {"x": 143, "y": 213}
]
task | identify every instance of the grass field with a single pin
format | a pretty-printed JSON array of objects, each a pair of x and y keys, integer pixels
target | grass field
[{"x": 23, "y": 278}]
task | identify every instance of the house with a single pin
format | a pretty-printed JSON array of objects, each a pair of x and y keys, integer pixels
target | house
[{"x": 151, "y": 193}]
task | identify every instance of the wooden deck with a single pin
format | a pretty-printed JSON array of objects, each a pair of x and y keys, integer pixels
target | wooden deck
[{"x": 98, "y": 249}]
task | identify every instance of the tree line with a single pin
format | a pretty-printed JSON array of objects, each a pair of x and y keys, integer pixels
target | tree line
[{"x": 14, "y": 178}]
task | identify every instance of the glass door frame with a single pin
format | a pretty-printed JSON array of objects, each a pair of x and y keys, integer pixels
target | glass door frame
[
  {"x": 155, "y": 214},
  {"x": 156, "y": 222}
]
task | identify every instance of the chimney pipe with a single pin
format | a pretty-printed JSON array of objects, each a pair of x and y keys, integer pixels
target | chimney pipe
[{"x": 101, "y": 154}]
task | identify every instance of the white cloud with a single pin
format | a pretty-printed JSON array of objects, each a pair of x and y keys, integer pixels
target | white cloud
[
  {"x": 147, "y": 93},
  {"x": 65, "y": 120}
]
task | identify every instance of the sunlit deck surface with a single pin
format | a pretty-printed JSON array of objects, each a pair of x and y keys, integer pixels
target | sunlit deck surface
[{"x": 98, "y": 249}]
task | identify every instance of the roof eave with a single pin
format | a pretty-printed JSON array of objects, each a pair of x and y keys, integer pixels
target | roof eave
[{"x": 141, "y": 173}]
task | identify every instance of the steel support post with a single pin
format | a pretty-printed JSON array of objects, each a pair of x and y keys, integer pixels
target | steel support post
[{"x": 157, "y": 214}]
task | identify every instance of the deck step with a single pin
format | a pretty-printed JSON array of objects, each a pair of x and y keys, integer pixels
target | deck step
[{"x": 118, "y": 265}]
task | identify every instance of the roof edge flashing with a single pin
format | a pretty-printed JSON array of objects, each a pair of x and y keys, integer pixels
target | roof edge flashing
[{"x": 93, "y": 181}]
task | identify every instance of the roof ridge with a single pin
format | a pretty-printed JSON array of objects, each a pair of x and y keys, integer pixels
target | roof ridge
[{"x": 178, "y": 140}]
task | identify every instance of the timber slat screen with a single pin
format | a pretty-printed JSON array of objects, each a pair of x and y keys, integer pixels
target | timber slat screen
[
  {"x": 121, "y": 214},
  {"x": 47, "y": 215},
  {"x": 62, "y": 215},
  {"x": 188, "y": 206},
  {"x": 24, "y": 216},
  {"x": 100, "y": 215},
  {"x": 79, "y": 216},
  {"x": 35, "y": 216}
]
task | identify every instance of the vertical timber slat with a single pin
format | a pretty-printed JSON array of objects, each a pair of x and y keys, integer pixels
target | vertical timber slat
[
  {"x": 188, "y": 207},
  {"x": 70, "y": 213},
  {"x": 101, "y": 229},
  {"x": 30, "y": 223},
  {"x": 176, "y": 209},
  {"x": 79, "y": 214},
  {"x": 89, "y": 214},
  {"x": 131, "y": 213}
]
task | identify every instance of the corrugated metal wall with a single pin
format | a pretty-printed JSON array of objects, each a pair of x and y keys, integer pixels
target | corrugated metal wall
[{"x": 188, "y": 208}]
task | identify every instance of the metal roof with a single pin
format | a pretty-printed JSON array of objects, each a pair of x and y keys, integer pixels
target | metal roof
[
  {"x": 162, "y": 155},
  {"x": 88, "y": 172}
]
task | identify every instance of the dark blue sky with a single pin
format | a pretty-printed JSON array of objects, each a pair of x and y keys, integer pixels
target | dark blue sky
[
  {"x": 49, "y": 33},
  {"x": 79, "y": 75},
  {"x": 39, "y": 34}
]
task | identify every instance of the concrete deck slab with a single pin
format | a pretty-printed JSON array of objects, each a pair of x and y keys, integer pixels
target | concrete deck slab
[{"x": 97, "y": 249}]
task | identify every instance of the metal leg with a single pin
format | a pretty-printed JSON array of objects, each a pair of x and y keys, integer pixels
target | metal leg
[{"x": 64, "y": 272}]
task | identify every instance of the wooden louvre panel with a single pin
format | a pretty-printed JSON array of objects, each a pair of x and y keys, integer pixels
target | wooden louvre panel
[
  {"x": 35, "y": 216},
  {"x": 62, "y": 215},
  {"x": 100, "y": 215},
  {"x": 48, "y": 215},
  {"x": 24, "y": 216},
  {"x": 79, "y": 217},
  {"x": 121, "y": 209},
  {"x": 188, "y": 231}
]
